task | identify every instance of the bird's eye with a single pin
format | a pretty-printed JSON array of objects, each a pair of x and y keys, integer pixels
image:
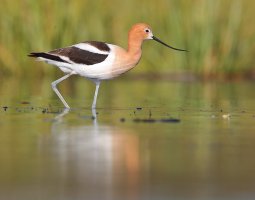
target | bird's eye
[{"x": 147, "y": 30}]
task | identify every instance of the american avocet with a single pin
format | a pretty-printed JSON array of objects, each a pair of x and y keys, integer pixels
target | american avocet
[{"x": 98, "y": 61}]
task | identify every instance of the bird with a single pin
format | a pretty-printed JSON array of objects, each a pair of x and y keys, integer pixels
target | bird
[{"x": 98, "y": 61}]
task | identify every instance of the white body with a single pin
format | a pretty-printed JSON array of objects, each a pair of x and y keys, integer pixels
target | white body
[{"x": 110, "y": 68}]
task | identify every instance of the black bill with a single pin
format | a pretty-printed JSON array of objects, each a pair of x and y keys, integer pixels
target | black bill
[{"x": 158, "y": 40}]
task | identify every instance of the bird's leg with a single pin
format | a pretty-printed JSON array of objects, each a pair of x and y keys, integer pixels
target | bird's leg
[
  {"x": 62, "y": 114},
  {"x": 95, "y": 96},
  {"x": 54, "y": 87}
]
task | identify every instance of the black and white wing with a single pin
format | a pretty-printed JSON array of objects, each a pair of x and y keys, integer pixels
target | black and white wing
[{"x": 86, "y": 53}]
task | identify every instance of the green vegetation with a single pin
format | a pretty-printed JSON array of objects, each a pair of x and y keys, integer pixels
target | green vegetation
[{"x": 219, "y": 34}]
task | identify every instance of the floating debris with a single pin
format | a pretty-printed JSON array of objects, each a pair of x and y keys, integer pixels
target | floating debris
[
  {"x": 139, "y": 108},
  {"x": 5, "y": 108},
  {"x": 150, "y": 114},
  {"x": 25, "y": 102},
  {"x": 122, "y": 119},
  {"x": 170, "y": 120},
  {"x": 151, "y": 120},
  {"x": 137, "y": 120},
  {"x": 44, "y": 110}
]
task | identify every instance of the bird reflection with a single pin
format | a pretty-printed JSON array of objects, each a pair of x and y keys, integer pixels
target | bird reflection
[
  {"x": 60, "y": 116},
  {"x": 96, "y": 154}
]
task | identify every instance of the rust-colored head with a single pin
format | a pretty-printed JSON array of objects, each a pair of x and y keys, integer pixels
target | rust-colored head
[{"x": 142, "y": 31}]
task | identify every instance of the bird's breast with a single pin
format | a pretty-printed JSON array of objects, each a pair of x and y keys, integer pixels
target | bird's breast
[
  {"x": 117, "y": 62},
  {"x": 123, "y": 61}
]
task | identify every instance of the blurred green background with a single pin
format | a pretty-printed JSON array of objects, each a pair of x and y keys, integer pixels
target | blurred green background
[
  {"x": 76, "y": 158},
  {"x": 219, "y": 34}
]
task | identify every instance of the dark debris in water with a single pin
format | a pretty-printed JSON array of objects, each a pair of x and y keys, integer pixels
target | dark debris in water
[
  {"x": 122, "y": 119},
  {"x": 150, "y": 114},
  {"x": 25, "y": 102},
  {"x": 44, "y": 110},
  {"x": 151, "y": 120},
  {"x": 170, "y": 120},
  {"x": 138, "y": 120},
  {"x": 5, "y": 108}
]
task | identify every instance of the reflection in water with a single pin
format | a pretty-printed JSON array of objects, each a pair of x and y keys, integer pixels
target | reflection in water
[
  {"x": 97, "y": 158},
  {"x": 60, "y": 116}
]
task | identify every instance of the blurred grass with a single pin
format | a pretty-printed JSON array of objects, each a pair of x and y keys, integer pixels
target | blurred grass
[{"x": 219, "y": 34}]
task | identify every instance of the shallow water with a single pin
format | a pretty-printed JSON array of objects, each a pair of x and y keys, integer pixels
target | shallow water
[{"x": 131, "y": 150}]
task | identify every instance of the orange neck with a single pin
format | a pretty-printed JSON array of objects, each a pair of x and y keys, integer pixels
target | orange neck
[{"x": 134, "y": 46}]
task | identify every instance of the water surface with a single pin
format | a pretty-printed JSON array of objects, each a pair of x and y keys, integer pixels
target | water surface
[{"x": 129, "y": 151}]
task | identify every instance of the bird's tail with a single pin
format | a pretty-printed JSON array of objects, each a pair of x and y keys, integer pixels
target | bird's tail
[
  {"x": 37, "y": 54},
  {"x": 46, "y": 56}
]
